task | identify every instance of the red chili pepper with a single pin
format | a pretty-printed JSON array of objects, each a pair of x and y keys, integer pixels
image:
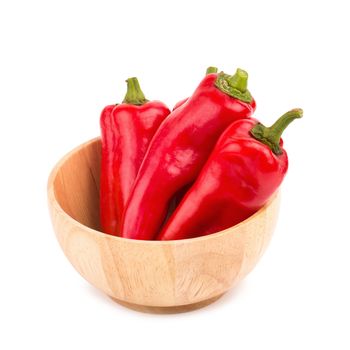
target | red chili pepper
[
  {"x": 210, "y": 70},
  {"x": 245, "y": 168},
  {"x": 180, "y": 148},
  {"x": 126, "y": 132}
]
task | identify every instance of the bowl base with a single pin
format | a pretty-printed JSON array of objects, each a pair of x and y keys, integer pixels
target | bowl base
[{"x": 167, "y": 309}]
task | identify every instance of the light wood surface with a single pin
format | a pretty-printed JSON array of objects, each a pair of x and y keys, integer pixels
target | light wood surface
[{"x": 168, "y": 276}]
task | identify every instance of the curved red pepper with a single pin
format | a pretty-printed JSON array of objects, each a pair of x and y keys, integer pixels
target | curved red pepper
[
  {"x": 180, "y": 148},
  {"x": 245, "y": 168},
  {"x": 126, "y": 131}
]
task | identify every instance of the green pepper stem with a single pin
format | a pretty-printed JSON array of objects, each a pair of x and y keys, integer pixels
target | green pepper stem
[
  {"x": 134, "y": 94},
  {"x": 211, "y": 70},
  {"x": 239, "y": 80},
  {"x": 271, "y": 136},
  {"x": 235, "y": 85}
]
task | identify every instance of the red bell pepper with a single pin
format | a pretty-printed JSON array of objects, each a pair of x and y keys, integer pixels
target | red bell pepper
[
  {"x": 210, "y": 70},
  {"x": 126, "y": 131},
  {"x": 180, "y": 148},
  {"x": 245, "y": 168}
]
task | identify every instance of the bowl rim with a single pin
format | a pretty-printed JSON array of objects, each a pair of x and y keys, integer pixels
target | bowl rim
[{"x": 53, "y": 201}]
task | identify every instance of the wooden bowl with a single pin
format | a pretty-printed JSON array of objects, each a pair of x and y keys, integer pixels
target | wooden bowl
[{"x": 167, "y": 276}]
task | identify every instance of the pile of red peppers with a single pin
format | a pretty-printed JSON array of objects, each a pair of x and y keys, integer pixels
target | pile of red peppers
[{"x": 198, "y": 169}]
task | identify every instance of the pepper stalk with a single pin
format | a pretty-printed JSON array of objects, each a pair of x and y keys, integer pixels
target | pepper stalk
[
  {"x": 271, "y": 136},
  {"x": 134, "y": 94}
]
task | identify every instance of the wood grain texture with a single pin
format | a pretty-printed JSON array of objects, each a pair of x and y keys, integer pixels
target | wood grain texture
[{"x": 167, "y": 275}]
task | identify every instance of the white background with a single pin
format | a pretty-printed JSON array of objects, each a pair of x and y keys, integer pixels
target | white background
[{"x": 61, "y": 62}]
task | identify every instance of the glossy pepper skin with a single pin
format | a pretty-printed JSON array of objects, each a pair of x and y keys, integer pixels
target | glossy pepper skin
[
  {"x": 127, "y": 130},
  {"x": 108, "y": 205},
  {"x": 245, "y": 168},
  {"x": 180, "y": 148}
]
